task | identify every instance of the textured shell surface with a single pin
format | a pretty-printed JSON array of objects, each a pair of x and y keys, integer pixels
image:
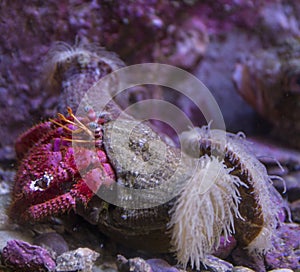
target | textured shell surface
[
  {"x": 74, "y": 69},
  {"x": 153, "y": 170},
  {"x": 139, "y": 155},
  {"x": 239, "y": 201}
]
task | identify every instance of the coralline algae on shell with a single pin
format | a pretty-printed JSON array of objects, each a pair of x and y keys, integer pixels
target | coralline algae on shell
[{"x": 22, "y": 256}]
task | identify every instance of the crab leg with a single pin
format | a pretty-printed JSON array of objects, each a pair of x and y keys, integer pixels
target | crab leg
[{"x": 54, "y": 206}]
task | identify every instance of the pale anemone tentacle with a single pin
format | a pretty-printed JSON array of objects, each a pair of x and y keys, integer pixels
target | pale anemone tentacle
[
  {"x": 201, "y": 215},
  {"x": 72, "y": 71},
  {"x": 62, "y": 54},
  {"x": 199, "y": 218}
]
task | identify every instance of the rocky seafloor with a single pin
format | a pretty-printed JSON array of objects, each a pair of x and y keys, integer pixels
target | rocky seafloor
[{"x": 245, "y": 52}]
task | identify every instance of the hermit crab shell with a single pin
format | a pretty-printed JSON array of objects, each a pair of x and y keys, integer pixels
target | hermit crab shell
[{"x": 250, "y": 215}]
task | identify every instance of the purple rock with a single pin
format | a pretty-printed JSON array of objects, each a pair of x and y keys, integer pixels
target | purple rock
[
  {"x": 286, "y": 247},
  {"x": 53, "y": 242},
  {"x": 134, "y": 264},
  {"x": 159, "y": 265},
  {"x": 242, "y": 257},
  {"x": 225, "y": 247},
  {"x": 22, "y": 256}
]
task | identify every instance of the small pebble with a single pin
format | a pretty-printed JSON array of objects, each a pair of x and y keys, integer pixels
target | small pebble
[
  {"x": 133, "y": 265},
  {"x": 242, "y": 269},
  {"x": 159, "y": 265},
  {"x": 217, "y": 265},
  {"x": 81, "y": 259}
]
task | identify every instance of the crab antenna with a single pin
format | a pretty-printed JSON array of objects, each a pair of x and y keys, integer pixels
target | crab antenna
[{"x": 81, "y": 125}]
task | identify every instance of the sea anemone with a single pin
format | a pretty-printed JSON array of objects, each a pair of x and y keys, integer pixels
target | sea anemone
[
  {"x": 228, "y": 195},
  {"x": 72, "y": 70},
  {"x": 204, "y": 211}
]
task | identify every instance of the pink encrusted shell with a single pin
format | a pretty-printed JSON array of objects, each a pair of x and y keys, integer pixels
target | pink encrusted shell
[{"x": 22, "y": 256}]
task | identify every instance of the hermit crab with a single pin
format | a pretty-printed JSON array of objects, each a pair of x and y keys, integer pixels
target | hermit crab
[
  {"x": 48, "y": 181},
  {"x": 227, "y": 195}
]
